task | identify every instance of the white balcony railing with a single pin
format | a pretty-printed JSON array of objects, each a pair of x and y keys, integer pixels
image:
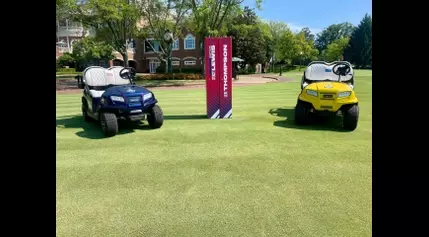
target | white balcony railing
[{"x": 70, "y": 28}]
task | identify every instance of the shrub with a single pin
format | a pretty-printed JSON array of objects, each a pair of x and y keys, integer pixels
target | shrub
[
  {"x": 170, "y": 76},
  {"x": 68, "y": 73},
  {"x": 284, "y": 68},
  {"x": 66, "y": 70},
  {"x": 138, "y": 78},
  {"x": 66, "y": 60},
  {"x": 189, "y": 70},
  {"x": 243, "y": 71},
  {"x": 161, "y": 69}
]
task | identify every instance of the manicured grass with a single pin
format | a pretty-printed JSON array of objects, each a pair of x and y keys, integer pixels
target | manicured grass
[{"x": 256, "y": 174}]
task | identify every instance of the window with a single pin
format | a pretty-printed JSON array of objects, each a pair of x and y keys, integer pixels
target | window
[
  {"x": 74, "y": 25},
  {"x": 148, "y": 48},
  {"x": 175, "y": 61},
  {"x": 62, "y": 24},
  {"x": 131, "y": 44},
  {"x": 176, "y": 45},
  {"x": 189, "y": 63},
  {"x": 189, "y": 42}
]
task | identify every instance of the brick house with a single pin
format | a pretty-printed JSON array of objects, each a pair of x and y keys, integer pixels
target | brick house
[
  {"x": 186, "y": 53},
  {"x": 186, "y": 50},
  {"x": 68, "y": 32}
]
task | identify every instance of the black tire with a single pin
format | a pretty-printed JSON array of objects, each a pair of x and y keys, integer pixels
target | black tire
[
  {"x": 301, "y": 114},
  {"x": 85, "y": 114},
  {"x": 351, "y": 117},
  {"x": 109, "y": 124},
  {"x": 85, "y": 110},
  {"x": 155, "y": 117}
]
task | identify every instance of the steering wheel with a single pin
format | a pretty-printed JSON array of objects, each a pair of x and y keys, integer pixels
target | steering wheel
[
  {"x": 341, "y": 69},
  {"x": 127, "y": 72}
]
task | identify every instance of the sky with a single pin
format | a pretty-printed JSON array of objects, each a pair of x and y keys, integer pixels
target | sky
[{"x": 314, "y": 14}]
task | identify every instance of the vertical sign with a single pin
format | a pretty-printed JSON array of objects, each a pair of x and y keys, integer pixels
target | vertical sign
[
  {"x": 211, "y": 60},
  {"x": 225, "y": 75},
  {"x": 218, "y": 70}
]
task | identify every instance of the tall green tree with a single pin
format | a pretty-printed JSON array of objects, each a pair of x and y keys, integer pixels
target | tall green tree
[
  {"x": 248, "y": 40},
  {"x": 336, "y": 49},
  {"x": 268, "y": 40},
  {"x": 210, "y": 17},
  {"x": 304, "y": 47},
  {"x": 89, "y": 49},
  {"x": 277, "y": 30},
  {"x": 62, "y": 9},
  {"x": 287, "y": 47},
  {"x": 163, "y": 17},
  {"x": 114, "y": 21},
  {"x": 359, "y": 50},
  {"x": 307, "y": 34},
  {"x": 332, "y": 33}
]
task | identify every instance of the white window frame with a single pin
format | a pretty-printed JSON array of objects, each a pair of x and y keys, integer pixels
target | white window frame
[
  {"x": 176, "y": 43},
  {"x": 190, "y": 63},
  {"x": 188, "y": 37},
  {"x": 175, "y": 59},
  {"x": 144, "y": 46}
]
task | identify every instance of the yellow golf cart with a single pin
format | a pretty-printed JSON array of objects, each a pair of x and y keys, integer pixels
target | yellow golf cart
[{"x": 328, "y": 89}]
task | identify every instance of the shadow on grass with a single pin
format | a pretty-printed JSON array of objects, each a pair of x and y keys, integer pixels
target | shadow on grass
[
  {"x": 92, "y": 129},
  {"x": 316, "y": 123},
  {"x": 185, "y": 117}
]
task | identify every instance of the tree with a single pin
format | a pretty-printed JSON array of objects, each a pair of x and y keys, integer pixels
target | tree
[
  {"x": 62, "y": 9},
  {"x": 163, "y": 17},
  {"x": 247, "y": 38},
  {"x": 277, "y": 30},
  {"x": 336, "y": 49},
  {"x": 268, "y": 40},
  {"x": 209, "y": 17},
  {"x": 304, "y": 47},
  {"x": 287, "y": 47},
  {"x": 332, "y": 33},
  {"x": 359, "y": 50},
  {"x": 114, "y": 21},
  {"x": 89, "y": 49},
  {"x": 307, "y": 34}
]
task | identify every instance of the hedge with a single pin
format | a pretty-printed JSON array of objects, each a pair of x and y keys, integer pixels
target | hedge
[
  {"x": 284, "y": 68},
  {"x": 68, "y": 73},
  {"x": 66, "y": 70},
  {"x": 170, "y": 76},
  {"x": 161, "y": 69}
]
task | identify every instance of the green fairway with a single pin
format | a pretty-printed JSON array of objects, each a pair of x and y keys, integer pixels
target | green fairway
[{"x": 256, "y": 174}]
